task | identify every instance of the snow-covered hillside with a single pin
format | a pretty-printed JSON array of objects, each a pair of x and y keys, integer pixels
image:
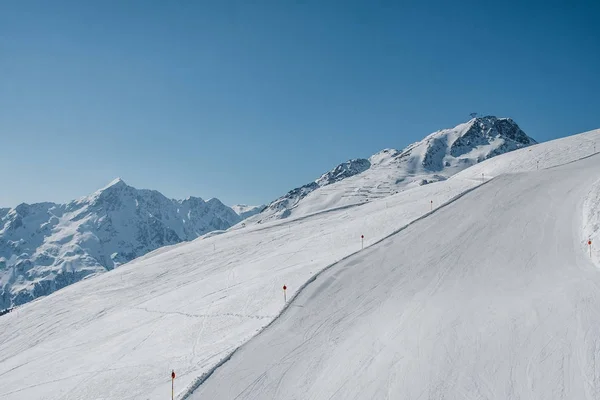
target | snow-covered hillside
[
  {"x": 47, "y": 246},
  {"x": 491, "y": 297},
  {"x": 246, "y": 211},
  {"x": 435, "y": 158},
  {"x": 189, "y": 306}
]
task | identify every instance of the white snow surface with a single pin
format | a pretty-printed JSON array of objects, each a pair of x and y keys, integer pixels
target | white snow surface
[
  {"x": 591, "y": 222},
  {"x": 246, "y": 211},
  {"x": 189, "y": 306},
  {"x": 491, "y": 297}
]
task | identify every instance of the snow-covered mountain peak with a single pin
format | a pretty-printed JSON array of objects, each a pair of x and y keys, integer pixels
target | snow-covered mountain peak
[
  {"x": 113, "y": 190},
  {"x": 487, "y": 128},
  {"x": 214, "y": 202},
  {"x": 438, "y": 156},
  {"x": 448, "y": 151},
  {"x": 112, "y": 226},
  {"x": 115, "y": 182}
]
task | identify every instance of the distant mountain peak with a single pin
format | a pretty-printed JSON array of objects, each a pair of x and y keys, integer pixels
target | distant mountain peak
[
  {"x": 192, "y": 199},
  {"x": 117, "y": 182},
  {"x": 96, "y": 233},
  {"x": 213, "y": 201}
]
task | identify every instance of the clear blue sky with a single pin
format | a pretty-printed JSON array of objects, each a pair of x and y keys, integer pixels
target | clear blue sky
[{"x": 244, "y": 100}]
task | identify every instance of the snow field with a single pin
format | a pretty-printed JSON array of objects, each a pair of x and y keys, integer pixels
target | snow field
[
  {"x": 187, "y": 307},
  {"x": 490, "y": 297}
]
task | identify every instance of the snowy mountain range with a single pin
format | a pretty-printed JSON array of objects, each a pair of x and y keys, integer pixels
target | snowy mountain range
[
  {"x": 492, "y": 294},
  {"x": 46, "y": 246},
  {"x": 435, "y": 158}
]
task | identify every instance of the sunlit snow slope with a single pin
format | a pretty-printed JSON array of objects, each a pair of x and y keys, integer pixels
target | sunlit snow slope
[
  {"x": 435, "y": 158},
  {"x": 246, "y": 211},
  {"x": 492, "y": 297},
  {"x": 188, "y": 306}
]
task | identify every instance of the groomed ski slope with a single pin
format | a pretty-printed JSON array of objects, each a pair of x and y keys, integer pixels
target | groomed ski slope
[
  {"x": 189, "y": 306},
  {"x": 492, "y": 297}
]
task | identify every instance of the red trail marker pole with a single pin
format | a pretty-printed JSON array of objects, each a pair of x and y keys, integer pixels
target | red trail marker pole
[
  {"x": 362, "y": 242},
  {"x": 284, "y": 294},
  {"x": 590, "y": 244},
  {"x": 172, "y": 384}
]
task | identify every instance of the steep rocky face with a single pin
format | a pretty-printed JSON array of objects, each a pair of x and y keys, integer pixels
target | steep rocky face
[
  {"x": 487, "y": 130},
  {"x": 452, "y": 150},
  {"x": 437, "y": 157},
  {"x": 47, "y": 246}
]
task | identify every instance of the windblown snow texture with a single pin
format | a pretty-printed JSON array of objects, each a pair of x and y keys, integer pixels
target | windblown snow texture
[{"x": 45, "y": 247}]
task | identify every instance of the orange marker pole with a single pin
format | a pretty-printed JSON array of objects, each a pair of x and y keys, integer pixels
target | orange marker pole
[
  {"x": 172, "y": 384},
  {"x": 284, "y": 294},
  {"x": 590, "y": 244}
]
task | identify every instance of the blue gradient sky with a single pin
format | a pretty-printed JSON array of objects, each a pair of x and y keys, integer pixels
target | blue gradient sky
[{"x": 244, "y": 100}]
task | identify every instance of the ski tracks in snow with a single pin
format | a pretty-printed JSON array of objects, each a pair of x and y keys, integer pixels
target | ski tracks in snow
[{"x": 537, "y": 325}]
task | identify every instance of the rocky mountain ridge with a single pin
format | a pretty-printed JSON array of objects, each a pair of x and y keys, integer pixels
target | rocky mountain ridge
[{"x": 437, "y": 157}]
